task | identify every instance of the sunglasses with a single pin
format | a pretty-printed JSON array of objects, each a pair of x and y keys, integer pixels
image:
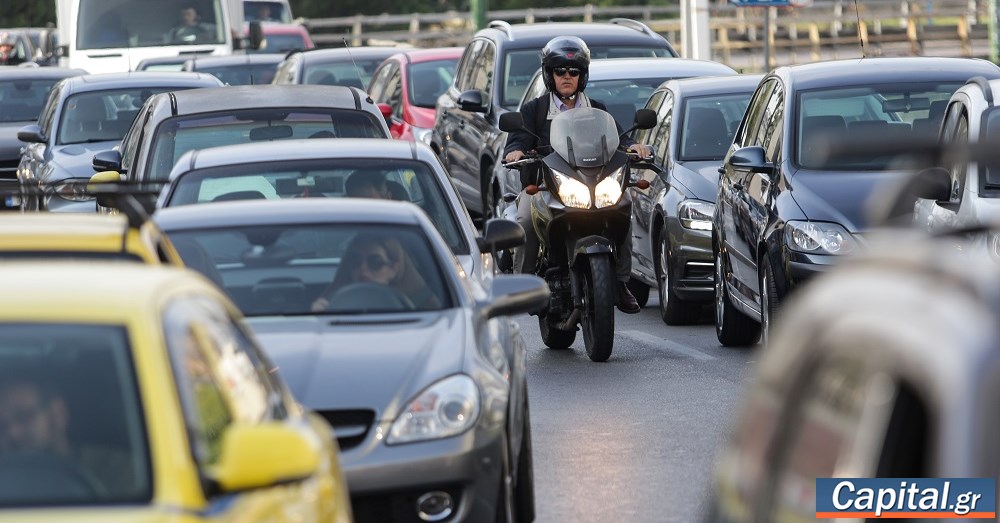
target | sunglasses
[
  {"x": 561, "y": 71},
  {"x": 374, "y": 262}
]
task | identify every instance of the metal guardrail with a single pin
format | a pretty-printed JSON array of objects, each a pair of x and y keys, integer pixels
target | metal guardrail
[{"x": 825, "y": 29}]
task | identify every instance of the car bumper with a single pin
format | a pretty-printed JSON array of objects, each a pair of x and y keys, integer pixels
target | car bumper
[
  {"x": 387, "y": 480},
  {"x": 802, "y": 267},
  {"x": 693, "y": 261}
]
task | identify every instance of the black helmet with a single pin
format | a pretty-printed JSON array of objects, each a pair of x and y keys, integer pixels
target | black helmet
[{"x": 565, "y": 51}]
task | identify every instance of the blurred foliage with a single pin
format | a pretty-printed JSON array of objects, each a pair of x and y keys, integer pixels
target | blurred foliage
[
  {"x": 27, "y": 13},
  {"x": 325, "y": 8}
]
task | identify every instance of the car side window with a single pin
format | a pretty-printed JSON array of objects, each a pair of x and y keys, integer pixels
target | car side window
[
  {"x": 956, "y": 131},
  {"x": 482, "y": 78},
  {"x": 836, "y": 430},
  {"x": 645, "y": 135},
  {"x": 207, "y": 414},
  {"x": 132, "y": 141},
  {"x": 394, "y": 93},
  {"x": 754, "y": 113},
  {"x": 49, "y": 111},
  {"x": 773, "y": 123},
  {"x": 466, "y": 68},
  {"x": 661, "y": 141},
  {"x": 377, "y": 87}
]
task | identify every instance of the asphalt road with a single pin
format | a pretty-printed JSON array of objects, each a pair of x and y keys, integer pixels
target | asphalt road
[{"x": 632, "y": 439}]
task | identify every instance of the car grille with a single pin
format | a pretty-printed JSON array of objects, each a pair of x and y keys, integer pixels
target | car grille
[
  {"x": 350, "y": 426},
  {"x": 398, "y": 507},
  {"x": 8, "y": 169}
]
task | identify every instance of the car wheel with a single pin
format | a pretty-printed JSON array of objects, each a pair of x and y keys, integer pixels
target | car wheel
[
  {"x": 524, "y": 486},
  {"x": 732, "y": 327},
  {"x": 673, "y": 310},
  {"x": 490, "y": 190},
  {"x": 639, "y": 290},
  {"x": 503, "y": 510},
  {"x": 768, "y": 299}
]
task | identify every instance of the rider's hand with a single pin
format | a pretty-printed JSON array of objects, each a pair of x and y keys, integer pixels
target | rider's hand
[
  {"x": 514, "y": 156},
  {"x": 643, "y": 150}
]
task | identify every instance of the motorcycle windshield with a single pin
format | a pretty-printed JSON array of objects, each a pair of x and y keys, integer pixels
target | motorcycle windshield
[{"x": 584, "y": 137}]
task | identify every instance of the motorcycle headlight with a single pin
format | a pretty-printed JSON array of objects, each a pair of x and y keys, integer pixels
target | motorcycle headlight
[
  {"x": 421, "y": 134},
  {"x": 696, "y": 214},
  {"x": 609, "y": 190},
  {"x": 447, "y": 408},
  {"x": 572, "y": 193},
  {"x": 819, "y": 238}
]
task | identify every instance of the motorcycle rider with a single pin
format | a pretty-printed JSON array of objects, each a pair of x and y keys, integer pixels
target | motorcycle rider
[{"x": 565, "y": 68}]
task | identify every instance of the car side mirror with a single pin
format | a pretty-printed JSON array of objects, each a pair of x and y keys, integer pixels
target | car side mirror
[
  {"x": 107, "y": 161},
  {"x": 31, "y": 134},
  {"x": 500, "y": 234},
  {"x": 472, "y": 101},
  {"x": 933, "y": 183},
  {"x": 753, "y": 159},
  {"x": 257, "y": 456},
  {"x": 62, "y": 51},
  {"x": 517, "y": 294},
  {"x": 512, "y": 121},
  {"x": 256, "y": 35},
  {"x": 104, "y": 178}
]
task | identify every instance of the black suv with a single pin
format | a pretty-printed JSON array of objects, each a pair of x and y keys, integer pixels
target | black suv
[{"x": 490, "y": 80}]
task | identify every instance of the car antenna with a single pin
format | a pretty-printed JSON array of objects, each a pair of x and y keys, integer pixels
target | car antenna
[
  {"x": 356, "y": 68},
  {"x": 861, "y": 40}
]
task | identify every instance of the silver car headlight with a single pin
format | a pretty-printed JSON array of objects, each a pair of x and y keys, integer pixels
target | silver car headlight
[
  {"x": 421, "y": 134},
  {"x": 571, "y": 192},
  {"x": 819, "y": 238},
  {"x": 447, "y": 408},
  {"x": 696, "y": 214},
  {"x": 73, "y": 190},
  {"x": 609, "y": 190}
]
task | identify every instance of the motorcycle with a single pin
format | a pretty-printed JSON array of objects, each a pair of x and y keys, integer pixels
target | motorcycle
[{"x": 581, "y": 214}]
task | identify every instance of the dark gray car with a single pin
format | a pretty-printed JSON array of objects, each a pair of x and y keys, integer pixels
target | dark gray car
[
  {"x": 351, "y": 67},
  {"x": 85, "y": 115},
  {"x": 23, "y": 92},
  {"x": 362, "y": 306},
  {"x": 240, "y": 69},
  {"x": 672, "y": 219}
]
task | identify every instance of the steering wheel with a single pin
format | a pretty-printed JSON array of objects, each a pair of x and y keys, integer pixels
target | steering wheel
[
  {"x": 44, "y": 477},
  {"x": 368, "y": 296}
]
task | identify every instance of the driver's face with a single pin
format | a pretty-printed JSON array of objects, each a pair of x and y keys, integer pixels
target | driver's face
[
  {"x": 189, "y": 16},
  {"x": 28, "y": 422},
  {"x": 375, "y": 266},
  {"x": 566, "y": 84}
]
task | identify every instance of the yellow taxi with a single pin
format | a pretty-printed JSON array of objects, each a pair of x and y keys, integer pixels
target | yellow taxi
[
  {"x": 84, "y": 235},
  {"x": 134, "y": 393}
]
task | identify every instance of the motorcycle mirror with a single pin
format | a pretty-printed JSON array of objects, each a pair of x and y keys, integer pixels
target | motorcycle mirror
[
  {"x": 645, "y": 119},
  {"x": 512, "y": 121}
]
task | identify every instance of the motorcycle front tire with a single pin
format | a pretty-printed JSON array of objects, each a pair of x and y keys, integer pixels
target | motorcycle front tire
[{"x": 598, "y": 317}]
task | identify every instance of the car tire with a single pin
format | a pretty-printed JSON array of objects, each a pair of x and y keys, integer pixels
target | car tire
[
  {"x": 768, "y": 299},
  {"x": 524, "y": 486},
  {"x": 640, "y": 290},
  {"x": 673, "y": 310},
  {"x": 732, "y": 327}
]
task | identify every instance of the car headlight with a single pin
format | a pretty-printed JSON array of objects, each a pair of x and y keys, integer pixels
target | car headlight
[
  {"x": 609, "y": 190},
  {"x": 819, "y": 237},
  {"x": 74, "y": 191},
  {"x": 572, "y": 193},
  {"x": 447, "y": 408},
  {"x": 421, "y": 134},
  {"x": 696, "y": 214}
]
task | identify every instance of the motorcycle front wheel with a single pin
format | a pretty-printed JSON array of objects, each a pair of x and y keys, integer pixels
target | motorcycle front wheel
[{"x": 599, "y": 307}]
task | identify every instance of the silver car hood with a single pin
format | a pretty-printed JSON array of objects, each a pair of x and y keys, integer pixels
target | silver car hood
[
  {"x": 76, "y": 160},
  {"x": 364, "y": 362}
]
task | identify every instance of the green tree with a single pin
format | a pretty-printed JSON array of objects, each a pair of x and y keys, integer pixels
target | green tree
[{"x": 27, "y": 13}]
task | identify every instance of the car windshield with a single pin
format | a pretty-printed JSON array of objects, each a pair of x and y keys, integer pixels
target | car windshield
[
  {"x": 181, "y": 134},
  {"x": 103, "y": 116},
  {"x": 306, "y": 269},
  {"x": 243, "y": 74},
  {"x": 344, "y": 73},
  {"x": 104, "y": 24},
  {"x": 709, "y": 125},
  {"x": 520, "y": 65},
  {"x": 266, "y": 12},
  {"x": 623, "y": 97},
  {"x": 864, "y": 113},
  {"x": 406, "y": 180},
  {"x": 280, "y": 43},
  {"x": 428, "y": 80},
  {"x": 21, "y": 100},
  {"x": 71, "y": 423}
]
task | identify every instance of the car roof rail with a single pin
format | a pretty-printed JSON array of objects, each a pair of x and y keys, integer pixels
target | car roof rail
[
  {"x": 634, "y": 24},
  {"x": 503, "y": 26},
  {"x": 983, "y": 84}
]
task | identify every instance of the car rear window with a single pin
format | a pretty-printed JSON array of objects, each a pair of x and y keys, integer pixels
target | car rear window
[
  {"x": 71, "y": 422},
  {"x": 21, "y": 100},
  {"x": 243, "y": 74},
  {"x": 405, "y": 180},
  {"x": 181, "y": 134},
  {"x": 309, "y": 269}
]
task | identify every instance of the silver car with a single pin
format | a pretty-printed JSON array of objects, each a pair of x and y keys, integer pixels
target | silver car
[
  {"x": 325, "y": 168},
  {"x": 364, "y": 309}
]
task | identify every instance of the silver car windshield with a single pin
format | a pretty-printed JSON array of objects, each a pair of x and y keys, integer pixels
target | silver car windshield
[{"x": 584, "y": 137}]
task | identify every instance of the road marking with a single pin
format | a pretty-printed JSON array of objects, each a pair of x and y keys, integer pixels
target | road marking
[{"x": 673, "y": 346}]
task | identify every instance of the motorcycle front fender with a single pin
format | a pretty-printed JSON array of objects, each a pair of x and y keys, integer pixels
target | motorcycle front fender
[{"x": 589, "y": 246}]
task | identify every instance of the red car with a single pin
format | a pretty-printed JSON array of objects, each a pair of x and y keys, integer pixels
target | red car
[
  {"x": 281, "y": 38},
  {"x": 426, "y": 74}
]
